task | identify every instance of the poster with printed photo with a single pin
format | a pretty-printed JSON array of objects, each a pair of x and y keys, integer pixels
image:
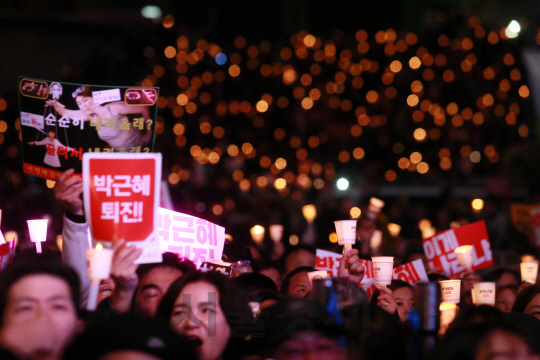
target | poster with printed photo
[{"x": 62, "y": 121}]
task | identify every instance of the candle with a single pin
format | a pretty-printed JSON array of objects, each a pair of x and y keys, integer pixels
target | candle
[
  {"x": 38, "y": 232},
  {"x": 465, "y": 256},
  {"x": 276, "y": 232},
  {"x": 99, "y": 268},
  {"x": 346, "y": 233},
  {"x": 382, "y": 269},
  {"x": 257, "y": 234}
]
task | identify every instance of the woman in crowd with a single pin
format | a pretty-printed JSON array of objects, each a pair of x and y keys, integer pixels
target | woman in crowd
[
  {"x": 528, "y": 301},
  {"x": 505, "y": 298},
  {"x": 205, "y": 308},
  {"x": 398, "y": 296}
]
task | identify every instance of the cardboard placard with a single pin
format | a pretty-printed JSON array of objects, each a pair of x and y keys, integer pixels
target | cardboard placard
[
  {"x": 121, "y": 193},
  {"x": 62, "y": 121},
  {"x": 439, "y": 249},
  {"x": 190, "y": 237}
]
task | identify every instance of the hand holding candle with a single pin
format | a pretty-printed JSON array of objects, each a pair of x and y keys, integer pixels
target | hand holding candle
[
  {"x": 346, "y": 233},
  {"x": 38, "y": 232}
]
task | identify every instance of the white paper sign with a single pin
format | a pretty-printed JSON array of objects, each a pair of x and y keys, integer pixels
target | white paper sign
[
  {"x": 32, "y": 120},
  {"x": 190, "y": 237}
]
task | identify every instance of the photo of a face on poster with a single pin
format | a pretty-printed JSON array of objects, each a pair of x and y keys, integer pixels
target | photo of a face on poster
[{"x": 61, "y": 121}]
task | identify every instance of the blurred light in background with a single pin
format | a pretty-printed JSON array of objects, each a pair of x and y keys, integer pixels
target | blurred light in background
[{"x": 151, "y": 12}]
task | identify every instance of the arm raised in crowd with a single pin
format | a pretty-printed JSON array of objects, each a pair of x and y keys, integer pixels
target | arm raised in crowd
[
  {"x": 351, "y": 268},
  {"x": 68, "y": 192},
  {"x": 123, "y": 272}
]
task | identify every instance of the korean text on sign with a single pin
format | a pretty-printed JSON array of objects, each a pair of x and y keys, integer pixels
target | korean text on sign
[
  {"x": 439, "y": 249},
  {"x": 190, "y": 237}
]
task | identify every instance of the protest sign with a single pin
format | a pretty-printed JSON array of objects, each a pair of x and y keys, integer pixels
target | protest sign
[
  {"x": 7, "y": 253},
  {"x": 411, "y": 272},
  {"x": 439, "y": 249},
  {"x": 62, "y": 121},
  {"x": 190, "y": 237},
  {"x": 121, "y": 193}
]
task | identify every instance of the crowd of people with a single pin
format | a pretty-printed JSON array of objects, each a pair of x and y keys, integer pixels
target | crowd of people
[{"x": 263, "y": 309}]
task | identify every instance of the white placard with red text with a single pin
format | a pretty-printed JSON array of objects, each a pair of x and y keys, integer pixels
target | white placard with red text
[
  {"x": 411, "y": 272},
  {"x": 121, "y": 197},
  {"x": 439, "y": 249},
  {"x": 190, "y": 237}
]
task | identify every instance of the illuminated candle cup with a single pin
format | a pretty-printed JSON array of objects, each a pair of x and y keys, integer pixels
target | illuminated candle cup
[
  {"x": 346, "y": 233},
  {"x": 529, "y": 271},
  {"x": 450, "y": 290},
  {"x": 99, "y": 268},
  {"x": 257, "y": 233},
  {"x": 38, "y": 232},
  {"x": 383, "y": 269},
  {"x": 317, "y": 275},
  {"x": 448, "y": 312},
  {"x": 276, "y": 232},
  {"x": 465, "y": 256},
  {"x": 484, "y": 293}
]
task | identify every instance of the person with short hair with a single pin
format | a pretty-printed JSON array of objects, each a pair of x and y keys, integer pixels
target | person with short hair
[{"x": 39, "y": 302}]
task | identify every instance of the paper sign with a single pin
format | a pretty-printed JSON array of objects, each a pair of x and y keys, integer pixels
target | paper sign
[
  {"x": 439, "y": 249},
  {"x": 32, "y": 120},
  {"x": 62, "y": 121},
  {"x": 190, "y": 237},
  {"x": 121, "y": 193},
  {"x": 411, "y": 272},
  {"x": 7, "y": 253}
]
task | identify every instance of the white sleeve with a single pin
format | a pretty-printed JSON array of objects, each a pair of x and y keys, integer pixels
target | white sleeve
[{"x": 74, "y": 245}]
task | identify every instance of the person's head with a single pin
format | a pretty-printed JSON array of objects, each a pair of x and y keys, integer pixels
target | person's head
[
  {"x": 52, "y": 135},
  {"x": 272, "y": 271},
  {"x": 297, "y": 283},
  {"x": 505, "y": 298},
  {"x": 255, "y": 287},
  {"x": 205, "y": 308},
  {"x": 129, "y": 337},
  {"x": 528, "y": 301},
  {"x": 404, "y": 296},
  {"x": 300, "y": 255},
  {"x": 503, "y": 277},
  {"x": 298, "y": 329},
  {"x": 154, "y": 281},
  {"x": 83, "y": 98},
  {"x": 39, "y": 301},
  {"x": 496, "y": 339}
]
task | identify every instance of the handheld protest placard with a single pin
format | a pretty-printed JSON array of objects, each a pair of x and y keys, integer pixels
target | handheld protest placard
[
  {"x": 346, "y": 233},
  {"x": 121, "y": 197},
  {"x": 99, "y": 268},
  {"x": 38, "y": 232}
]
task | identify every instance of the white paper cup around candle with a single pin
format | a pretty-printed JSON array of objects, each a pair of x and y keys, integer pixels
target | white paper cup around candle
[
  {"x": 473, "y": 296},
  {"x": 383, "y": 267},
  {"x": 484, "y": 293},
  {"x": 529, "y": 271},
  {"x": 450, "y": 290},
  {"x": 448, "y": 312},
  {"x": 38, "y": 232},
  {"x": 99, "y": 268},
  {"x": 346, "y": 232},
  {"x": 317, "y": 275},
  {"x": 276, "y": 232},
  {"x": 465, "y": 256}
]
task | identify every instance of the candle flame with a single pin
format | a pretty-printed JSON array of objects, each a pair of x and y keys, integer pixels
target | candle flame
[{"x": 99, "y": 247}]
